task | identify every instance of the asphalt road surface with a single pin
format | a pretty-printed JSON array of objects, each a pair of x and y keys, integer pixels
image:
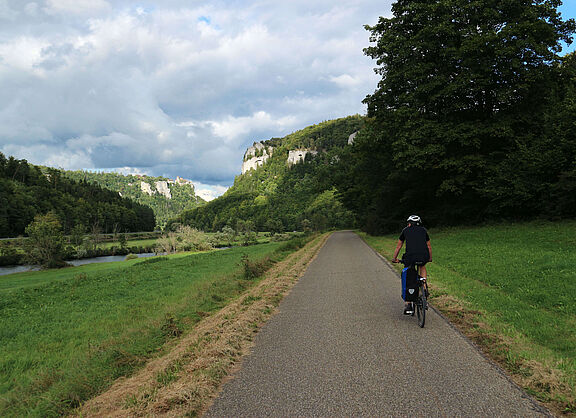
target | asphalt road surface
[{"x": 341, "y": 346}]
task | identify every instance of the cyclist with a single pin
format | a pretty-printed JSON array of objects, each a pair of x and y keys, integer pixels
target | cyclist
[{"x": 418, "y": 249}]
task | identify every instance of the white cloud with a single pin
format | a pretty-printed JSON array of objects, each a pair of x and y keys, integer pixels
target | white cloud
[
  {"x": 77, "y": 7},
  {"x": 209, "y": 192},
  {"x": 234, "y": 127},
  {"x": 22, "y": 53},
  {"x": 174, "y": 87},
  {"x": 346, "y": 81}
]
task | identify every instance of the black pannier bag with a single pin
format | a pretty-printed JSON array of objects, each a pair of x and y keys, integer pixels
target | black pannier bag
[{"x": 409, "y": 284}]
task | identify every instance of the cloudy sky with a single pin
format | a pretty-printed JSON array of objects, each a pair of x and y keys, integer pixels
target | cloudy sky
[{"x": 176, "y": 87}]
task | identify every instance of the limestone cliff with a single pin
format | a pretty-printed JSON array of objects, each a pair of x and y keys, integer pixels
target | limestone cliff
[
  {"x": 352, "y": 138},
  {"x": 145, "y": 187},
  {"x": 162, "y": 187},
  {"x": 299, "y": 155},
  {"x": 255, "y": 156}
]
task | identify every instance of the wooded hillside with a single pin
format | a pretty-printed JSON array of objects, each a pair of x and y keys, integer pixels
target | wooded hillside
[
  {"x": 27, "y": 190},
  {"x": 182, "y": 195},
  {"x": 279, "y": 196}
]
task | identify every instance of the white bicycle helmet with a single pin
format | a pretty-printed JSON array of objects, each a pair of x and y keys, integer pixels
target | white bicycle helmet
[{"x": 415, "y": 219}]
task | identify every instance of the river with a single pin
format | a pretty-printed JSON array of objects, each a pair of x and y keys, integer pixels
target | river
[{"x": 105, "y": 259}]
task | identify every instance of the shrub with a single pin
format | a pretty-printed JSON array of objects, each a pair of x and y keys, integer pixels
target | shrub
[
  {"x": 45, "y": 243},
  {"x": 185, "y": 238},
  {"x": 254, "y": 269}
]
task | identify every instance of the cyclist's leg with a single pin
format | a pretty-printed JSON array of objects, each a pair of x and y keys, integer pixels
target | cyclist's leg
[{"x": 423, "y": 272}]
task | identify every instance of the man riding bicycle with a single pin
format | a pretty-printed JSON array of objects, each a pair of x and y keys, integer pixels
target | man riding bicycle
[{"x": 418, "y": 250}]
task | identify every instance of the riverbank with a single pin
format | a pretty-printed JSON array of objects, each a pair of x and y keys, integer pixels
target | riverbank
[
  {"x": 69, "y": 333},
  {"x": 13, "y": 253},
  {"x": 6, "y": 270},
  {"x": 12, "y": 250}
]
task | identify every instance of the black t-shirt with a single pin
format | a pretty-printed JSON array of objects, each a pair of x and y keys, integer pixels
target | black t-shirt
[{"x": 415, "y": 238}]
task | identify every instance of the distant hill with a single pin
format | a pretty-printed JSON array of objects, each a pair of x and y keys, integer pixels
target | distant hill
[
  {"x": 287, "y": 183},
  {"x": 27, "y": 190},
  {"x": 167, "y": 198}
]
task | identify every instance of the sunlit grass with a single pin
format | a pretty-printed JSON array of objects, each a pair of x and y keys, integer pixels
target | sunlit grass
[
  {"x": 67, "y": 334},
  {"x": 520, "y": 277}
]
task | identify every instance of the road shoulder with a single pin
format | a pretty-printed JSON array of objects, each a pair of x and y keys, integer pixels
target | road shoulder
[{"x": 185, "y": 380}]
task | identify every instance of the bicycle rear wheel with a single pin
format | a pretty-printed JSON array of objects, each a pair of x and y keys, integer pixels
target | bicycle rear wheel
[{"x": 421, "y": 308}]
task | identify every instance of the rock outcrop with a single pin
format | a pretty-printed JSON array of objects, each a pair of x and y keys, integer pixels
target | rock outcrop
[
  {"x": 146, "y": 188},
  {"x": 163, "y": 189},
  {"x": 299, "y": 155},
  {"x": 256, "y": 156},
  {"x": 180, "y": 180},
  {"x": 352, "y": 137}
]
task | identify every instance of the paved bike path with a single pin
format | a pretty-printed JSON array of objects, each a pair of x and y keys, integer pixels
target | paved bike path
[{"x": 340, "y": 346}]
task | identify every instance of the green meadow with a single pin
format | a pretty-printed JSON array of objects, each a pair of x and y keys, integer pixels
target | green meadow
[
  {"x": 68, "y": 334},
  {"x": 519, "y": 283}
]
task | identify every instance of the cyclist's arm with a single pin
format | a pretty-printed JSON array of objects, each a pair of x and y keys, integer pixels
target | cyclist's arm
[
  {"x": 429, "y": 249},
  {"x": 397, "y": 250}
]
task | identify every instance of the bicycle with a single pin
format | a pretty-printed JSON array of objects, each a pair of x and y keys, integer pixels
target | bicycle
[{"x": 423, "y": 294}]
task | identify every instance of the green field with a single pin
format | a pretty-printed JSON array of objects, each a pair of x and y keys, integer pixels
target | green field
[
  {"x": 67, "y": 334},
  {"x": 518, "y": 282}
]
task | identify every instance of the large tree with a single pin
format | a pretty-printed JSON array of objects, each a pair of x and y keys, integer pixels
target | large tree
[
  {"x": 458, "y": 58},
  {"x": 465, "y": 85}
]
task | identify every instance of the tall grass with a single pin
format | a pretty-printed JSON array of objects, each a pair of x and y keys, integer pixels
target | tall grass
[
  {"x": 521, "y": 280},
  {"x": 68, "y": 334}
]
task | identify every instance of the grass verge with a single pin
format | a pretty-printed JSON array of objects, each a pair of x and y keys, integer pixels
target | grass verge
[
  {"x": 184, "y": 380},
  {"x": 511, "y": 289},
  {"x": 67, "y": 335}
]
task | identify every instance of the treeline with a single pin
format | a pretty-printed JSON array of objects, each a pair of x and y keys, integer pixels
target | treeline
[
  {"x": 183, "y": 196},
  {"x": 280, "y": 197},
  {"x": 472, "y": 120},
  {"x": 27, "y": 190}
]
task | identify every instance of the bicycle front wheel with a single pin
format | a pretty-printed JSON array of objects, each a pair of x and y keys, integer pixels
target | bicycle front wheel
[{"x": 421, "y": 308}]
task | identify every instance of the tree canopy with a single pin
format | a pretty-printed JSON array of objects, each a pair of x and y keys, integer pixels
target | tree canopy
[
  {"x": 27, "y": 190},
  {"x": 462, "y": 126}
]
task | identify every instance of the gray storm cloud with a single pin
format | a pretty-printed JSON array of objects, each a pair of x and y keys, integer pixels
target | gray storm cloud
[{"x": 174, "y": 87}]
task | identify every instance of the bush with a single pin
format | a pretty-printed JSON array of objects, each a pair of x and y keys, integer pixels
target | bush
[
  {"x": 280, "y": 237},
  {"x": 254, "y": 269},
  {"x": 185, "y": 238},
  {"x": 45, "y": 243},
  {"x": 11, "y": 260},
  {"x": 8, "y": 255},
  {"x": 131, "y": 257},
  {"x": 294, "y": 244}
]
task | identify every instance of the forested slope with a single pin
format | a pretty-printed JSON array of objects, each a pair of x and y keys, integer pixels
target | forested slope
[
  {"x": 281, "y": 196},
  {"x": 27, "y": 190},
  {"x": 472, "y": 120},
  {"x": 181, "y": 192}
]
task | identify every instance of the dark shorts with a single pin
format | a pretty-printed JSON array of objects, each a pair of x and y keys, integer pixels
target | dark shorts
[{"x": 418, "y": 259}]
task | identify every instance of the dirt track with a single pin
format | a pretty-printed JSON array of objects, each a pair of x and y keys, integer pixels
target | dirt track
[{"x": 341, "y": 346}]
